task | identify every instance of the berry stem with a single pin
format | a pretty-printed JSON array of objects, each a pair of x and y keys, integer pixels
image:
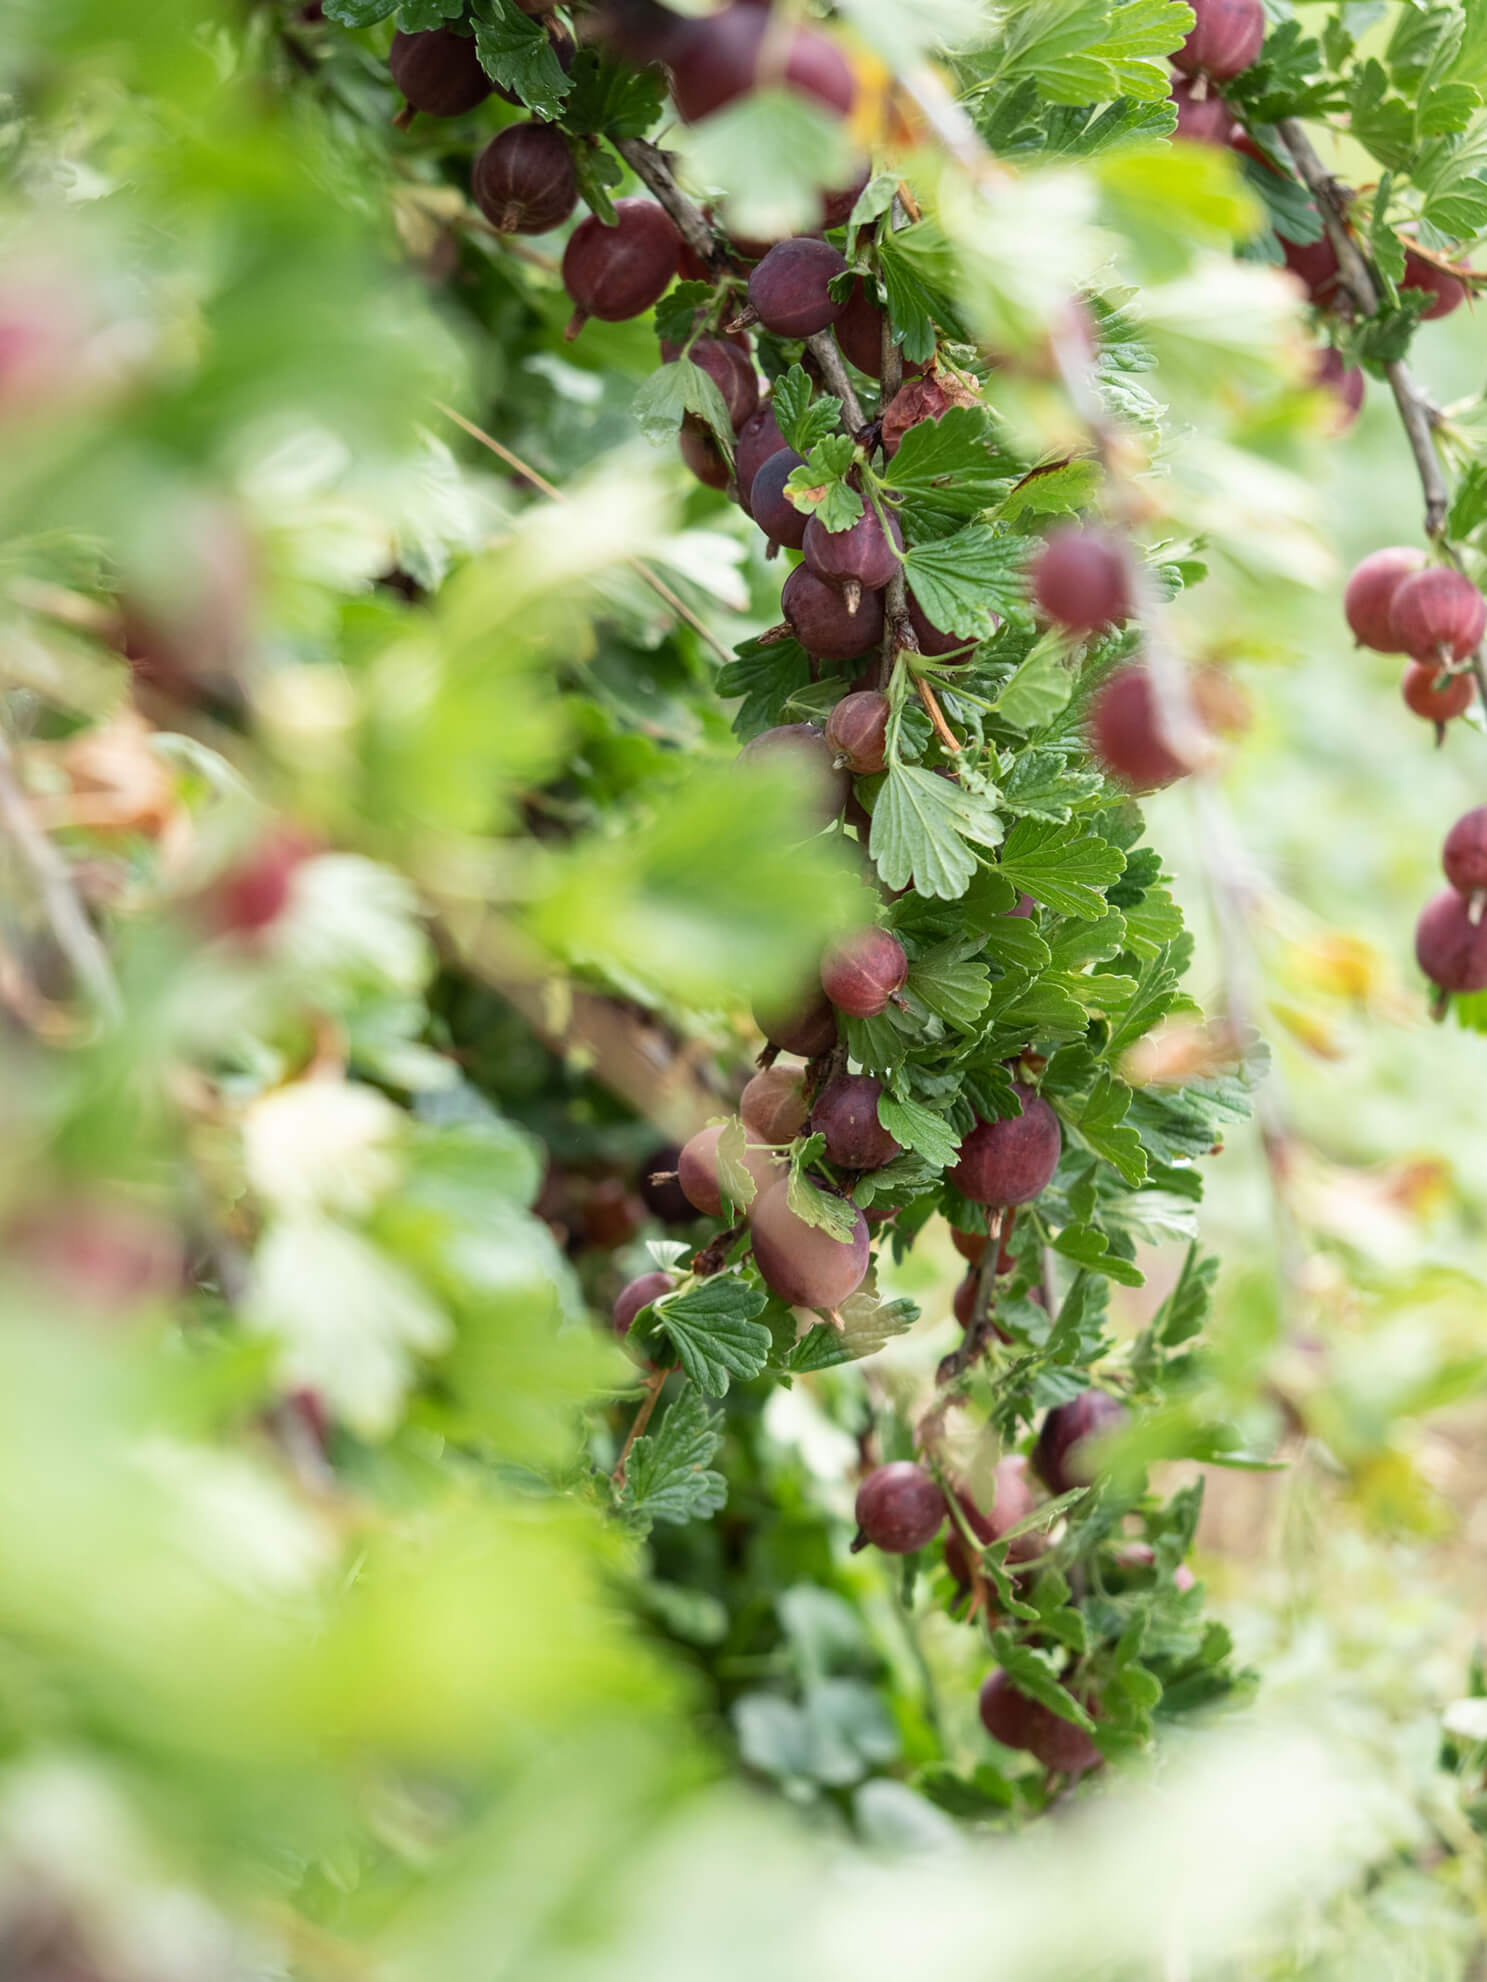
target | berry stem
[
  {"x": 936, "y": 715},
  {"x": 652, "y": 167},
  {"x": 973, "y": 1344},
  {"x": 654, "y": 1384},
  {"x": 1416, "y": 412}
]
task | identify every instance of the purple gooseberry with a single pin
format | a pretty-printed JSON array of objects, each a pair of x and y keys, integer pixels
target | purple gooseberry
[
  {"x": 899, "y": 1508},
  {"x": 802, "y": 1263},
  {"x": 860, "y": 973},
  {"x": 1010, "y": 1161},
  {"x": 846, "y": 1113}
]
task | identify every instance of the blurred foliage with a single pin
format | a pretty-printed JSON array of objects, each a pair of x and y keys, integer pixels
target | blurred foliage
[{"x": 325, "y": 1647}]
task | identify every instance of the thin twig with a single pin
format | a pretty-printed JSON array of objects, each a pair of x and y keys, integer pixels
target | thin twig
[
  {"x": 897, "y": 630},
  {"x": 824, "y": 349},
  {"x": 1416, "y": 412},
  {"x": 66, "y": 917},
  {"x": 654, "y": 1384},
  {"x": 936, "y": 716},
  {"x": 982, "y": 1325},
  {"x": 652, "y": 167},
  {"x": 658, "y": 585}
]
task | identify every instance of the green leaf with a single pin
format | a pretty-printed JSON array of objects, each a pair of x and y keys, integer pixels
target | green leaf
[
  {"x": 952, "y": 986},
  {"x": 676, "y": 313},
  {"x": 868, "y": 1322},
  {"x": 765, "y": 676},
  {"x": 946, "y": 464},
  {"x": 1062, "y": 488},
  {"x": 418, "y": 16},
  {"x": 673, "y": 390},
  {"x": 802, "y": 420},
  {"x": 1101, "y": 1122},
  {"x": 735, "y": 1179},
  {"x": 613, "y": 98},
  {"x": 1040, "y": 784},
  {"x": 1031, "y": 1675},
  {"x": 1064, "y": 867},
  {"x": 835, "y": 1216},
  {"x": 876, "y": 197},
  {"x": 1182, "y": 1314},
  {"x": 515, "y": 52},
  {"x": 1090, "y": 1248},
  {"x": 1016, "y": 943},
  {"x": 819, "y": 486},
  {"x": 1156, "y": 992},
  {"x": 958, "y": 580},
  {"x": 920, "y": 827},
  {"x": 667, "y": 1476},
  {"x": 1469, "y": 505},
  {"x": 1041, "y": 687},
  {"x": 913, "y": 1126},
  {"x": 919, "y": 279},
  {"x": 714, "y": 1333},
  {"x": 359, "y": 13},
  {"x": 1140, "y": 1685}
]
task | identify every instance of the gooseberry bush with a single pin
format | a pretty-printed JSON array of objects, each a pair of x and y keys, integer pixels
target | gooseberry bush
[{"x": 610, "y": 1109}]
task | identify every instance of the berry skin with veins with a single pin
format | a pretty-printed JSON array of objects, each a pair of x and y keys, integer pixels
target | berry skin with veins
[
  {"x": 1449, "y": 947},
  {"x": 1201, "y": 120},
  {"x": 806, "y": 1028},
  {"x": 846, "y": 1113},
  {"x": 1370, "y": 593},
  {"x": 801, "y": 1263},
  {"x": 857, "y": 730},
  {"x": 758, "y": 438},
  {"x": 819, "y": 618},
  {"x": 1224, "y": 40},
  {"x": 863, "y": 557},
  {"x": 638, "y": 1294},
  {"x": 788, "y": 290},
  {"x": 524, "y": 181},
  {"x": 1437, "y": 613},
  {"x": 1464, "y": 855},
  {"x": 861, "y": 973},
  {"x": 899, "y": 1508},
  {"x": 1013, "y": 1160},
  {"x": 769, "y": 505},
  {"x": 617, "y": 272},
  {"x": 1439, "y": 697},
  {"x": 697, "y": 1169},
  {"x": 772, "y": 1106},
  {"x": 439, "y": 72}
]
